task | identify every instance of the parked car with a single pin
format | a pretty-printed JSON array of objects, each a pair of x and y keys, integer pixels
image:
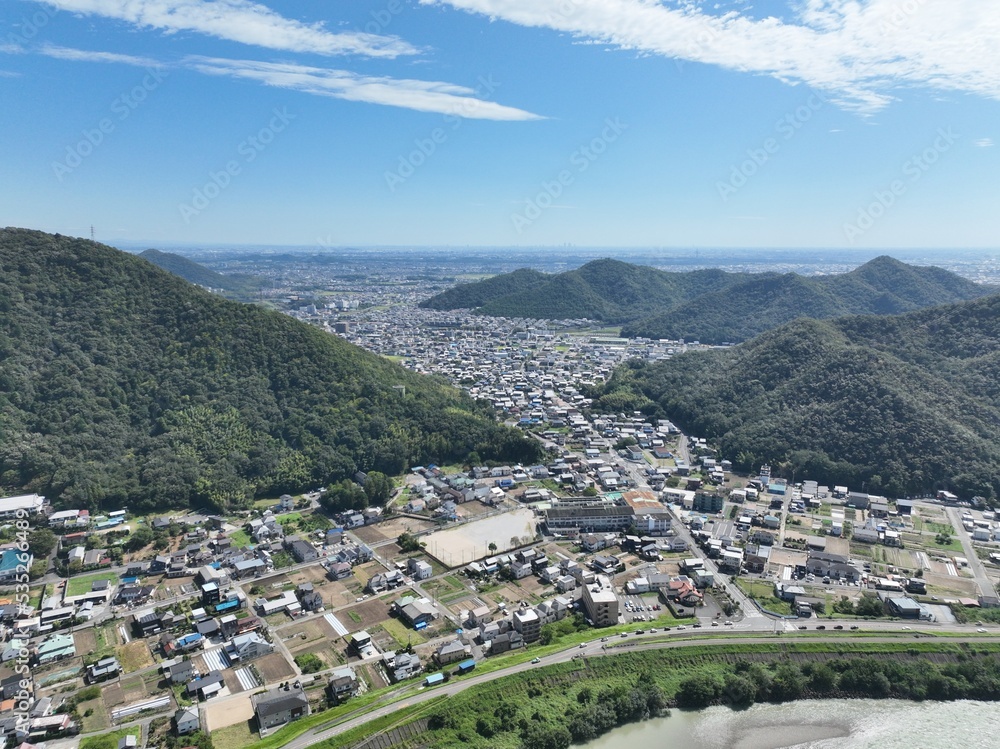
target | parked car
[{"x": 536, "y": 660}]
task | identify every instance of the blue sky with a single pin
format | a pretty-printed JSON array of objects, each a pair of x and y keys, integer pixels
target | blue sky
[{"x": 807, "y": 123}]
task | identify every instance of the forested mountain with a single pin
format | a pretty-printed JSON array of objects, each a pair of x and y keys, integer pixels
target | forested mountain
[
  {"x": 607, "y": 290},
  {"x": 882, "y": 286},
  {"x": 198, "y": 274},
  {"x": 899, "y": 404},
  {"x": 122, "y": 384},
  {"x": 478, "y": 293},
  {"x": 710, "y": 306}
]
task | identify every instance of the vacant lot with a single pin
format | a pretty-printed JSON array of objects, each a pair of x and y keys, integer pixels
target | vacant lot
[
  {"x": 85, "y": 640},
  {"x": 302, "y": 634},
  {"x": 233, "y": 716},
  {"x": 134, "y": 656},
  {"x": 274, "y": 668},
  {"x": 368, "y": 613}
]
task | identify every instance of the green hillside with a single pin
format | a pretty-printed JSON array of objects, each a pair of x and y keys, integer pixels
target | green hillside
[
  {"x": 711, "y": 306},
  {"x": 882, "y": 286},
  {"x": 901, "y": 404},
  {"x": 121, "y": 384},
  {"x": 606, "y": 290},
  {"x": 469, "y": 295},
  {"x": 189, "y": 270}
]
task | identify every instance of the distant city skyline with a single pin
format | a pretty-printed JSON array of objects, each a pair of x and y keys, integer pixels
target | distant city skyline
[{"x": 812, "y": 124}]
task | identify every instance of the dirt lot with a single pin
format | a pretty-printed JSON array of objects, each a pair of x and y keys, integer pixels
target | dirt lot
[
  {"x": 313, "y": 574},
  {"x": 114, "y": 695},
  {"x": 838, "y": 546},
  {"x": 273, "y": 668},
  {"x": 299, "y": 636},
  {"x": 367, "y": 613},
  {"x": 85, "y": 640},
  {"x": 391, "y": 529},
  {"x": 467, "y": 543},
  {"x": 228, "y": 713}
]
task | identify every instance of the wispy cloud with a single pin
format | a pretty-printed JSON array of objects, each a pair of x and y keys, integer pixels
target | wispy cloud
[
  {"x": 983, "y": 143},
  {"x": 81, "y": 55},
  {"x": 423, "y": 96},
  {"x": 240, "y": 21},
  {"x": 860, "y": 51}
]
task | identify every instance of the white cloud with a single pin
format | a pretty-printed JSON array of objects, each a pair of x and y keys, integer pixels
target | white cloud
[
  {"x": 423, "y": 96},
  {"x": 983, "y": 143},
  {"x": 240, "y": 21},
  {"x": 81, "y": 55},
  {"x": 860, "y": 51}
]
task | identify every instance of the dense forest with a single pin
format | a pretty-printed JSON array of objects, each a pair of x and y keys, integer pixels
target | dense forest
[
  {"x": 122, "y": 384},
  {"x": 902, "y": 404},
  {"x": 606, "y": 290},
  {"x": 242, "y": 286},
  {"x": 709, "y": 305},
  {"x": 478, "y": 293}
]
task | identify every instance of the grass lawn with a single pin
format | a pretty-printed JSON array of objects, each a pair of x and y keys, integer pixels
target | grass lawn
[
  {"x": 403, "y": 634},
  {"x": 240, "y": 539},
  {"x": 940, "y": 528},
  {"x": 763, "y": 593},
  {"x": 234, "y": 737},
  {"x": 97, "y": 720},
  {"x": 953, "y": 545},
  {"x": 77, "y": 586},
  {"x": 110, "y": 740}
]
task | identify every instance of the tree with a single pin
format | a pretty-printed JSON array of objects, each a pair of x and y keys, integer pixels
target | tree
[
  {"x": 739, "y": 690},
  {"x": 700, "y": 690},
  {"x": 408, "y": 543},
  {"x": 139, "y": 539},
  {"x": 378, "y": 487},
  {"x": 41, "y": 542},
  {"x": 492, "y": 547}
]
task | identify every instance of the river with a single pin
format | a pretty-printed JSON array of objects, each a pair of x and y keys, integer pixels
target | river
[{"x": 818, "y": 724}]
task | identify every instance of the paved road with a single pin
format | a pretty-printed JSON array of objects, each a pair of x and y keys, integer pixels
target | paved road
[
  {"x": 593, "y": 649},
  {"x": 983, "y": 585}
]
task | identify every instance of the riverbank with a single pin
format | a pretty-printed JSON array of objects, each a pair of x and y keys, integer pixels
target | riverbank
[{"x": 549, "y": 707}]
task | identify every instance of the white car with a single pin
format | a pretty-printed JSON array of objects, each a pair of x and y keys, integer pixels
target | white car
[{"x": 728, "y": 624}]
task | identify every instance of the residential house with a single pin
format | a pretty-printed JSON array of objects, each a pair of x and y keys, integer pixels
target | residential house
[
  {"x": 343, "y": 684},
  {"x": 186, "y": 720},
  {"x": 280, "y": 705},
  {"x": 104, "y": 669},
  {"x": 247, "y": 647},
  {"x": 179, "y": 670},
  {"x": 451, "y": 652},
  {"x": 206, "y": 687},
  {"x": 55, "y": 647}
]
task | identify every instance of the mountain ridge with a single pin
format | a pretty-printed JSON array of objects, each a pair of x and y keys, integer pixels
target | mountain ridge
[{"x": 122, "y": 383}]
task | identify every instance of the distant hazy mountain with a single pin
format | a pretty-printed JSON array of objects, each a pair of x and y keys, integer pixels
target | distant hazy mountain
[
  {"x": 710, "y": 306},
  {"x": 883, "y": 286},
  {"x": 122, "y": 384},
  {"x": 199, "y": 274},
  {"x": 607, "y": 290},
  {"x": 902, "y": 404}
]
